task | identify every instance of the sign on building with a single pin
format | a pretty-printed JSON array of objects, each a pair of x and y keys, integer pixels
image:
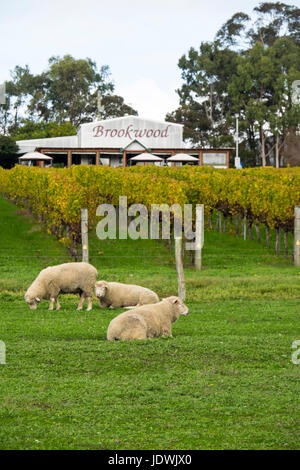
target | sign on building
[{"x": 119, "y": 132}]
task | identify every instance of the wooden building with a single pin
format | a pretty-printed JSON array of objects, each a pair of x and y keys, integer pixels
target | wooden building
[{"x": 115, "y": 142}]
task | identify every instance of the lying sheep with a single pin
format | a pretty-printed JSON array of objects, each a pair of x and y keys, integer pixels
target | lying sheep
[
  {"x": 115, "y": 294},
  {"x": 68, "y": 278},
  {"x": 147, "y": 321}
]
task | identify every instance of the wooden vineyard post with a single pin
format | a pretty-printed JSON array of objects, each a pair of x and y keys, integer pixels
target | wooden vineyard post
[
  {"x": 199, "y": 235},
  {"x": 2, "y": 353},
  {"x": 297, "y": 236},
  {"x": 84, "y": 235},
  {"x": 179, "y": 268}
]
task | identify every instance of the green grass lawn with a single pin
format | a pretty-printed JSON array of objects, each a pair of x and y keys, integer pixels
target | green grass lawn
[{"x": 224, "y": 381}]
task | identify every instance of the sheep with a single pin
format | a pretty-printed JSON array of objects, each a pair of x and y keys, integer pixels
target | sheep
[
  {"x": 115, "y": 294},
  {"x": 147, "y": 321},
  {"x": 67, "y": 278}
]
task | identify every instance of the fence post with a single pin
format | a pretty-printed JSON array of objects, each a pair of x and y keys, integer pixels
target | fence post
[
  {"x": 2, "y": 352},
  {"x": 179, "y": 267},
  {"x": 84, "y": 235},
  {"x": 297, "y": 236},
  {"x": 199, "y": 235}
]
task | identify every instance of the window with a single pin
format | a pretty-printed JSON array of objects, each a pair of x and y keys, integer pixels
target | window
[{"x": 218, "y": 159}]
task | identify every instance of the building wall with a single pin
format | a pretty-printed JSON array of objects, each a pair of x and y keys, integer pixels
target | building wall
[{"x": 54, "y": 142}]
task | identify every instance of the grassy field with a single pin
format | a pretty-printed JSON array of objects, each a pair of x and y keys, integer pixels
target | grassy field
[{"x": 224, "y": 381}]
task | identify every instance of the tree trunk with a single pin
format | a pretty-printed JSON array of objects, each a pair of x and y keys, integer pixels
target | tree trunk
[
  {"x": 250, "y": 231},
  {"x": 210, "y": 225},
  {"x": 219, "y": 221},
  {"x": 237, "y": 226},
  {"x": 277, "y": 241},
  {"x": 277, "y": 152},
  {"x": 286, "y": 246},
  {"x": 192, "y": 257},
  {"x": 263, "y": 149},
  {"x": 258, "y": 233},
  {"x": 267, "y": 236}
]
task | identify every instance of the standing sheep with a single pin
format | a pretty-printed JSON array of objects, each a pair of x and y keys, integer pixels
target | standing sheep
[
  {"x": 115, "y": 294},
  {"x": 147, "y": 321},
  {"x": 67, "y": 278}
]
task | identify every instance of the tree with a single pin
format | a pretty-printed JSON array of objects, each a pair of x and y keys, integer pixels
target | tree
[
  {"x": 39, "y": 130},
  {"x": 195, "y": 121},
  {"x": 261, "y": 92},
  {"x": 291, "y": 150},
  {"x": 8, "y": 151},
  {"x": 68, "y": 90},
  {"x": 271, "y": 21},
  {"x": 204, "y": 101},
  {"x": 18, "y": 90},
  {"x": 248, "y": 69},
  {"x": 250, "y": 90},
  {"x": 114, "y": 106}
]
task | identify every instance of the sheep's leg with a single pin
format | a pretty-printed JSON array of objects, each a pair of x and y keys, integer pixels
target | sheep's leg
[
  {"x": 166, "y": 330},
  {"x": 57, "y": 304},
  {"x": 90, "y": 303},
  {"x": 167, "y": 333},
  {"x": 81, "y": 302},
  {"x": 134, "y": 306},
  {"x": 54, "y": 292}
]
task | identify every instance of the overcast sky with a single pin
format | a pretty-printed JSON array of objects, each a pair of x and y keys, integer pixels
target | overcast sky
[{"x": 141, "y": 41}]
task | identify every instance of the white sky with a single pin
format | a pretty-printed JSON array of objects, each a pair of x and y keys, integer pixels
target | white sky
[{"x": 140, "y": 40}]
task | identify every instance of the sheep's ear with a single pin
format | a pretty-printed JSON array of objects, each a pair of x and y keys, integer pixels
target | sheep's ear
[{"x": 37, "y": 299}]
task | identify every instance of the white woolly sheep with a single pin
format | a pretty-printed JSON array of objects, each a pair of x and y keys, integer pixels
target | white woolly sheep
[
  {"x": 115, "y": 294},
  {"x": 147, "y": 321},
  {"x": 67, "y": 278}
]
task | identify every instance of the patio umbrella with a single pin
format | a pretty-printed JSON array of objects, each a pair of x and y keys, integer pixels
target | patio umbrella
[
  {"x": 35, "y": 156},
  {"x": 182, "y": 157},
  {"x": 146, "y": 157}
]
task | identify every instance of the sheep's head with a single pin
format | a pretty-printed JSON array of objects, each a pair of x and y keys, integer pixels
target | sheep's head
[
  {"x": 178, "y": 306},
  {"x": 101, "y": 288},
  {"x": 32, "y": 301}
]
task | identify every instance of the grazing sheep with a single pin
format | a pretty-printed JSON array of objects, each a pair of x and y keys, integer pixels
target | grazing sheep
[
  {"x": 115, "y": 294},
  {"x": 147, "y": 321},
  {"x": 68, "y": 278}
]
